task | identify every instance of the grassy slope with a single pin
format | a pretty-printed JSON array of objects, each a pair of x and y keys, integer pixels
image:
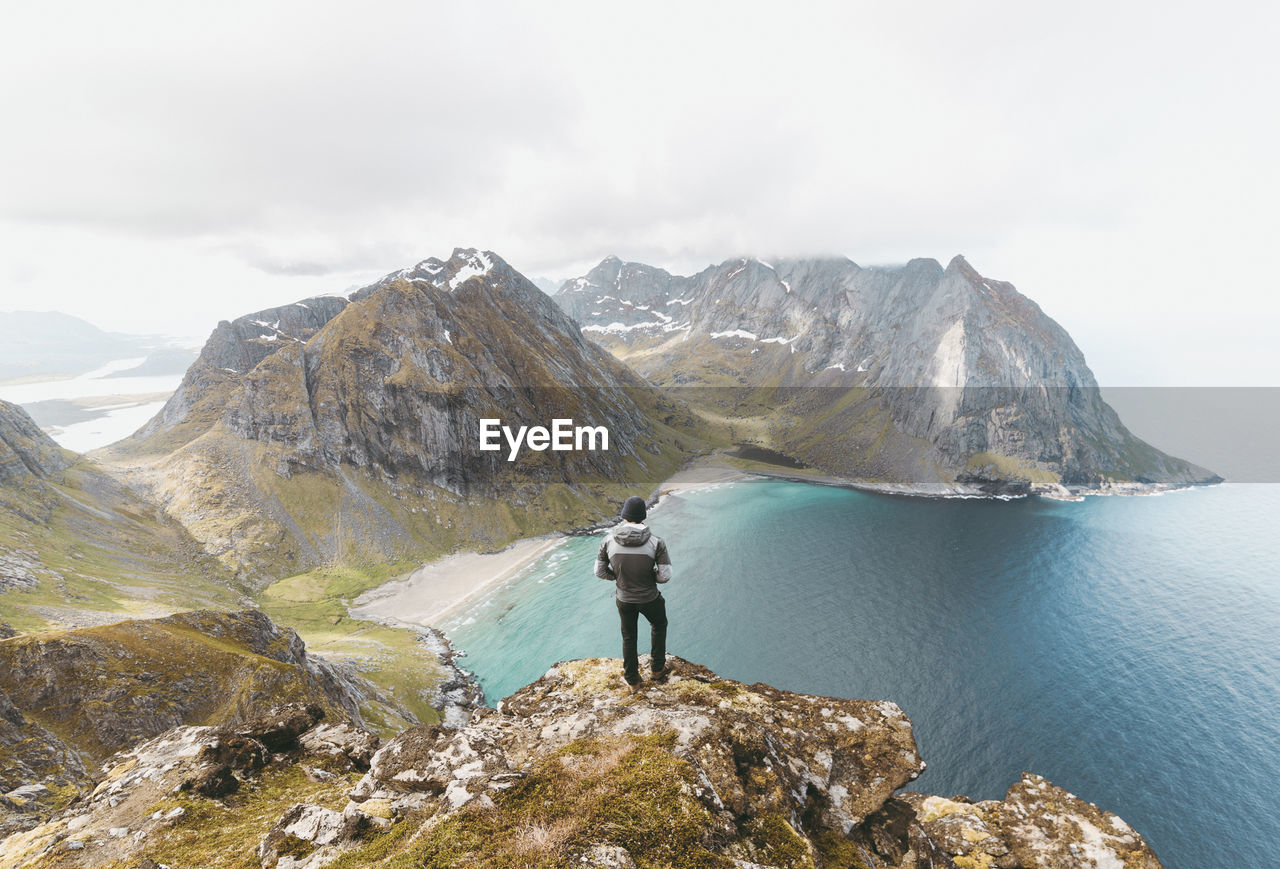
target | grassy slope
[
  {"x": 315, "y": 605},
  {"x": 103, "y": 553}
]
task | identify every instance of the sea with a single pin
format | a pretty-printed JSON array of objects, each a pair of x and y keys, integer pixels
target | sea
[
  {"x": 134, "y": 401},
  {"x": 1126, "y": 648}
]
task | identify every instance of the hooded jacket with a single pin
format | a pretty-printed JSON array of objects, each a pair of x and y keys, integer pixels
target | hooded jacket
[{"x": 631, "y": 556}]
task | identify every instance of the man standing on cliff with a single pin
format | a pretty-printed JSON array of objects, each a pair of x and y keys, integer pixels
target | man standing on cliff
[{"x": 637, "y": 561}]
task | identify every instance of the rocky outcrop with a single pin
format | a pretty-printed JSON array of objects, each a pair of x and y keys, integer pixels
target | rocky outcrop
[
  {"x": 1036, "y": 826},
  {"x": 755, "y": 748},
  {"x": 913, "y": 377},
  {"x": 38, "y": 772},
  {"x": 163, "y": 785},
  {"x": 103, "y": 689},
  {"x": 575, "y": 769},
  {"x": 357, "y": 431},
  {"x": 763, "y": 777},
  {"x": 234, "y": 348}
]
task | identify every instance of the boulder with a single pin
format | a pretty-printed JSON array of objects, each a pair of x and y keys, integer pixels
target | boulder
[{"x": 1036, "y": 826}]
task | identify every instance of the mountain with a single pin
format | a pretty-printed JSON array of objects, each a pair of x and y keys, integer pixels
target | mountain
[
  {"x": 78, "y": 548},
  {"x": 912, "y": 377},
  {"x": 346, "y": 429},
  {"x": 574, "y": 769}
]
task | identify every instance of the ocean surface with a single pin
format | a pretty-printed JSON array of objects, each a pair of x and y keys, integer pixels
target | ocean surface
[
  {"x": 106, "y": 423},
  {"x": 1128, "y": 649}
]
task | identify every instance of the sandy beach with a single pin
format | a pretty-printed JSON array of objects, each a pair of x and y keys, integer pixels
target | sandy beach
[
  {"x": 434, "y": 590},
  {"x": 701, "y": 472}
]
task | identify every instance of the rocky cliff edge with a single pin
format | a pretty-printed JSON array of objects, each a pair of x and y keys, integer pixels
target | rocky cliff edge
[{"x": 574, "y": 770}]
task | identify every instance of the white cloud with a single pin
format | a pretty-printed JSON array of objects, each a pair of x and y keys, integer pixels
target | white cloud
[{"x": 195, "y": 163}]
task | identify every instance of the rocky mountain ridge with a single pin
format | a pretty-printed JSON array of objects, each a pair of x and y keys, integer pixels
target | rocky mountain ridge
[
  {"x": 71, "y": 699},
  {"x": 26, "y": 452},
  {"x": 368, "y": 409},
  {"x": 915, "y": 377},
  {"x": 575, "y": 769}
]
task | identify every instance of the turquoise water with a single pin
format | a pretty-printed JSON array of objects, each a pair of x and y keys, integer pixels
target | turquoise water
[{"x": 1128, "y": 649}]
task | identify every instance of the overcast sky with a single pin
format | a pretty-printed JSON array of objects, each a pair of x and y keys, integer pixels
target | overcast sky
[{"x": 166, "y": 165}]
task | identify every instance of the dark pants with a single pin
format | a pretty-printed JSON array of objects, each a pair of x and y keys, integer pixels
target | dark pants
[{"x": 656, "y": 612}]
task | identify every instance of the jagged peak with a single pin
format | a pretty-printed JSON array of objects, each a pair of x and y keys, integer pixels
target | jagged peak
[
  {"x": 922, "y": 262},
  {"x": 989, "y": 286},
  {"x": 462, "y": 265},
  {"x": 961, "y": 266}
]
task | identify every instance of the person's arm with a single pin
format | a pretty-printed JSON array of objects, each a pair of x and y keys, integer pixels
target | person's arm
[
  {"x": 661, "y": 562},
  {"x": 603, "y": 568}
]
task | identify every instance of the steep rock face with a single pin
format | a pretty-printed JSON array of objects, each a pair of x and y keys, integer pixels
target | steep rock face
[
  {"x": 980, "y": 390},
  {"x": 26, "y": 451},
  {"x": 400, "y": 380},
  {"x": 234, "y": 348},
  {"x": 355, "y": 432},
  {"x": 38, "y": 772}
]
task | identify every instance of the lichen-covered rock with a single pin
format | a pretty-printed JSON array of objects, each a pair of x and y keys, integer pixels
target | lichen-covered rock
[
  {"x": 345, "y": 741},
  {"x": 38, "y": 772},
  {"x": 755, "y": 755},
  {"x": 607, "y": 857},
  {"x": 6, "y": 630},
  {"x": 186, "y": 763},
  {"x": 1048, "y": 828},
  {"x": 761, "y": 750},
  {"x": 1036, "y": 826},
  {"x": 315, "y": 831}
]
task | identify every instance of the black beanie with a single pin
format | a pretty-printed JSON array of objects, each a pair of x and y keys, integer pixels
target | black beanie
[{"x": 634, "y": 510}]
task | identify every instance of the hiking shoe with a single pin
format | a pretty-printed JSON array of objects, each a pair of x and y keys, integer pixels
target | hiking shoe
[
  {"x": 661, "y": 676},
  {"x": 634, "y": 686}
]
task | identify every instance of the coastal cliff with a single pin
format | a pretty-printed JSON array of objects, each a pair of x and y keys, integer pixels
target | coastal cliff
[
  {"x": 575, "y": 769},
  {"x": 913, "y": 378}
]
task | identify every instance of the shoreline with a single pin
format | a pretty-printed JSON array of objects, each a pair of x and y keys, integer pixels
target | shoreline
[{"x": 438, "y": 588}]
